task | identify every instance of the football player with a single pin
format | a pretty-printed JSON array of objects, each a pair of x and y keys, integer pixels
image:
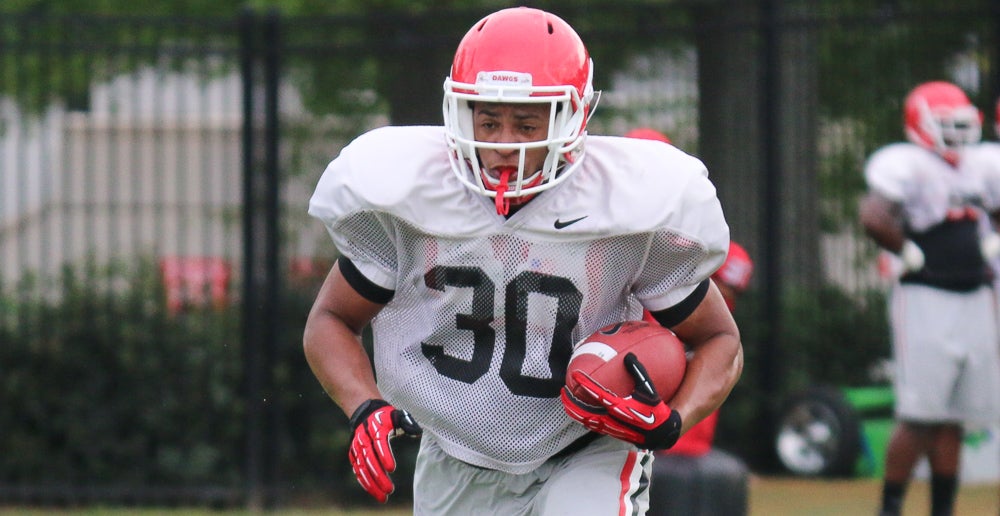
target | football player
[
  {"x": 470, "y": 249},
  {"x": 925, "y": 203}
]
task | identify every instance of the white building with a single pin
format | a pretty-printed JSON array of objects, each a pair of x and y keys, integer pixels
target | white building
[{"x": 154, "y": 169}]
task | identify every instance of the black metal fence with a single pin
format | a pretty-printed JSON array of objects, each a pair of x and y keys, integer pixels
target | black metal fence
[{"x": 156, "y": 261}]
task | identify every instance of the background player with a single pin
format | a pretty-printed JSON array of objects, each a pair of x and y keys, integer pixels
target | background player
[
  {"x": 925, "y": 203},
  {"x": 469, "y": 249}
]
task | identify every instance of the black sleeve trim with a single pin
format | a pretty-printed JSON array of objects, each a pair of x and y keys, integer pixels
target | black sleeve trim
[
  {"x": 363, "y": 285},
  {"x": 676, "y": 314}
]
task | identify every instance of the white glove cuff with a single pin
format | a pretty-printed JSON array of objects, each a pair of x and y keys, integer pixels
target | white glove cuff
[{"x": 913, "y": 257}]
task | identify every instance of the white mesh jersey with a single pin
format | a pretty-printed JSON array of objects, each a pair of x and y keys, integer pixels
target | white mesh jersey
[{"x": 486, "y": 310}]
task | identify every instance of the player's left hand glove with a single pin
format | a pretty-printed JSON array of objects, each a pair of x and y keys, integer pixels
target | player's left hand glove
[
  {"x": 641, "y": 418},
  {"x": 374, "y": 423}
]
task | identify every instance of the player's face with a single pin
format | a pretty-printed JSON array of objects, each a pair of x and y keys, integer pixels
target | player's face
[{"x": 510, "y": 123}]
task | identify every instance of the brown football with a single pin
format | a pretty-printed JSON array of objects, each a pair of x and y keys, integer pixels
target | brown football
[{"x": 601, "y": 356}]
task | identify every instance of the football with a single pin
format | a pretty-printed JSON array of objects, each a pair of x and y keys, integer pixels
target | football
[{"x": 602, "y": 354}]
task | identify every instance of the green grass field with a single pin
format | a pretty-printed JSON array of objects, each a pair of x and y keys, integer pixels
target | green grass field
[{"x": 768, "y": 497}]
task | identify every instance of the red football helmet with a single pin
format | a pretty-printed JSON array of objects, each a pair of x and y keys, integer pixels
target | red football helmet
[
  {"x": 520, "y": 55},
  {"x": 737, "y": 268},
  {"x": 939, "y": 117},
  {"x": 645, "y": 133}
]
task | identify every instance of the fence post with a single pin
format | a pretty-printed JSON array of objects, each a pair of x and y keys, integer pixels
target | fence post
[
  {"x": 251, "y": 341},
  {"x": 260, "y": 55},
  {"x": 273, "y": 291},
  {"x": 771, "y": 214}
]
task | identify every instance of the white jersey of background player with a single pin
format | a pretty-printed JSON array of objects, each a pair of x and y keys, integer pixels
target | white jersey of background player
[
  {"x": 931, "y": 193},
  {"x": 479, "y": 274}
]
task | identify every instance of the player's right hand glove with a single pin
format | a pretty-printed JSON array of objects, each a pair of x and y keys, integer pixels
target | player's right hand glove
[
  {"x": 912, "y": 255},
  {"x": 641, "y": 418},
  {"x": 989, "y": 246},
  {"x": 374, "y": 423}
]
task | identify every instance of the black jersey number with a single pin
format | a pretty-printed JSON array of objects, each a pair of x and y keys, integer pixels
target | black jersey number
[{"x": 568, "y": 299}]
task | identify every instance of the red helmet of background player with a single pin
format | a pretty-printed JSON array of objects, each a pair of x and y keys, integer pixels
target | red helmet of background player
[
  {"x": 645, "y": 133},
  {"x": 519, "y": 55},
  {"x": 939, "y": 116}
]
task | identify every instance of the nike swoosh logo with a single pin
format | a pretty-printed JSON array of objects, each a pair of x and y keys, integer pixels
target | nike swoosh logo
[
  {"x": 650, "y": 419},
  {"x": 560, "y": 224}
]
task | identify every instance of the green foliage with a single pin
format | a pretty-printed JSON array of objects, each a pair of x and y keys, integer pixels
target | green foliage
[
  {"x": 829, "y": 337},
  {"x": 104, "y": 387},
  {"x": 339, "y": 48},
  {"x": 873, "y": 69},
  {"x": 122, "y": 7},
  {"x": 59, "y": 55}
]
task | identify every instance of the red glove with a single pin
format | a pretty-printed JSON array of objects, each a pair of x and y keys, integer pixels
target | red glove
[
  {"x": 375, "y": 422},
  {"x": 641, "y": 418}
]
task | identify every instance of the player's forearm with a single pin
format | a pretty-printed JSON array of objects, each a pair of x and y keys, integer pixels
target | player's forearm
[
  {"x": 887, "y": 237},
  {"x": 881, "y": 221},
  {"x": 711, "y": 374},
  {"x": 338, "y": 359}
]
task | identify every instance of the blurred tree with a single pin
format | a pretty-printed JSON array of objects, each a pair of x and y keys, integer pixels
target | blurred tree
[{"x": 400, "y": 49}]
